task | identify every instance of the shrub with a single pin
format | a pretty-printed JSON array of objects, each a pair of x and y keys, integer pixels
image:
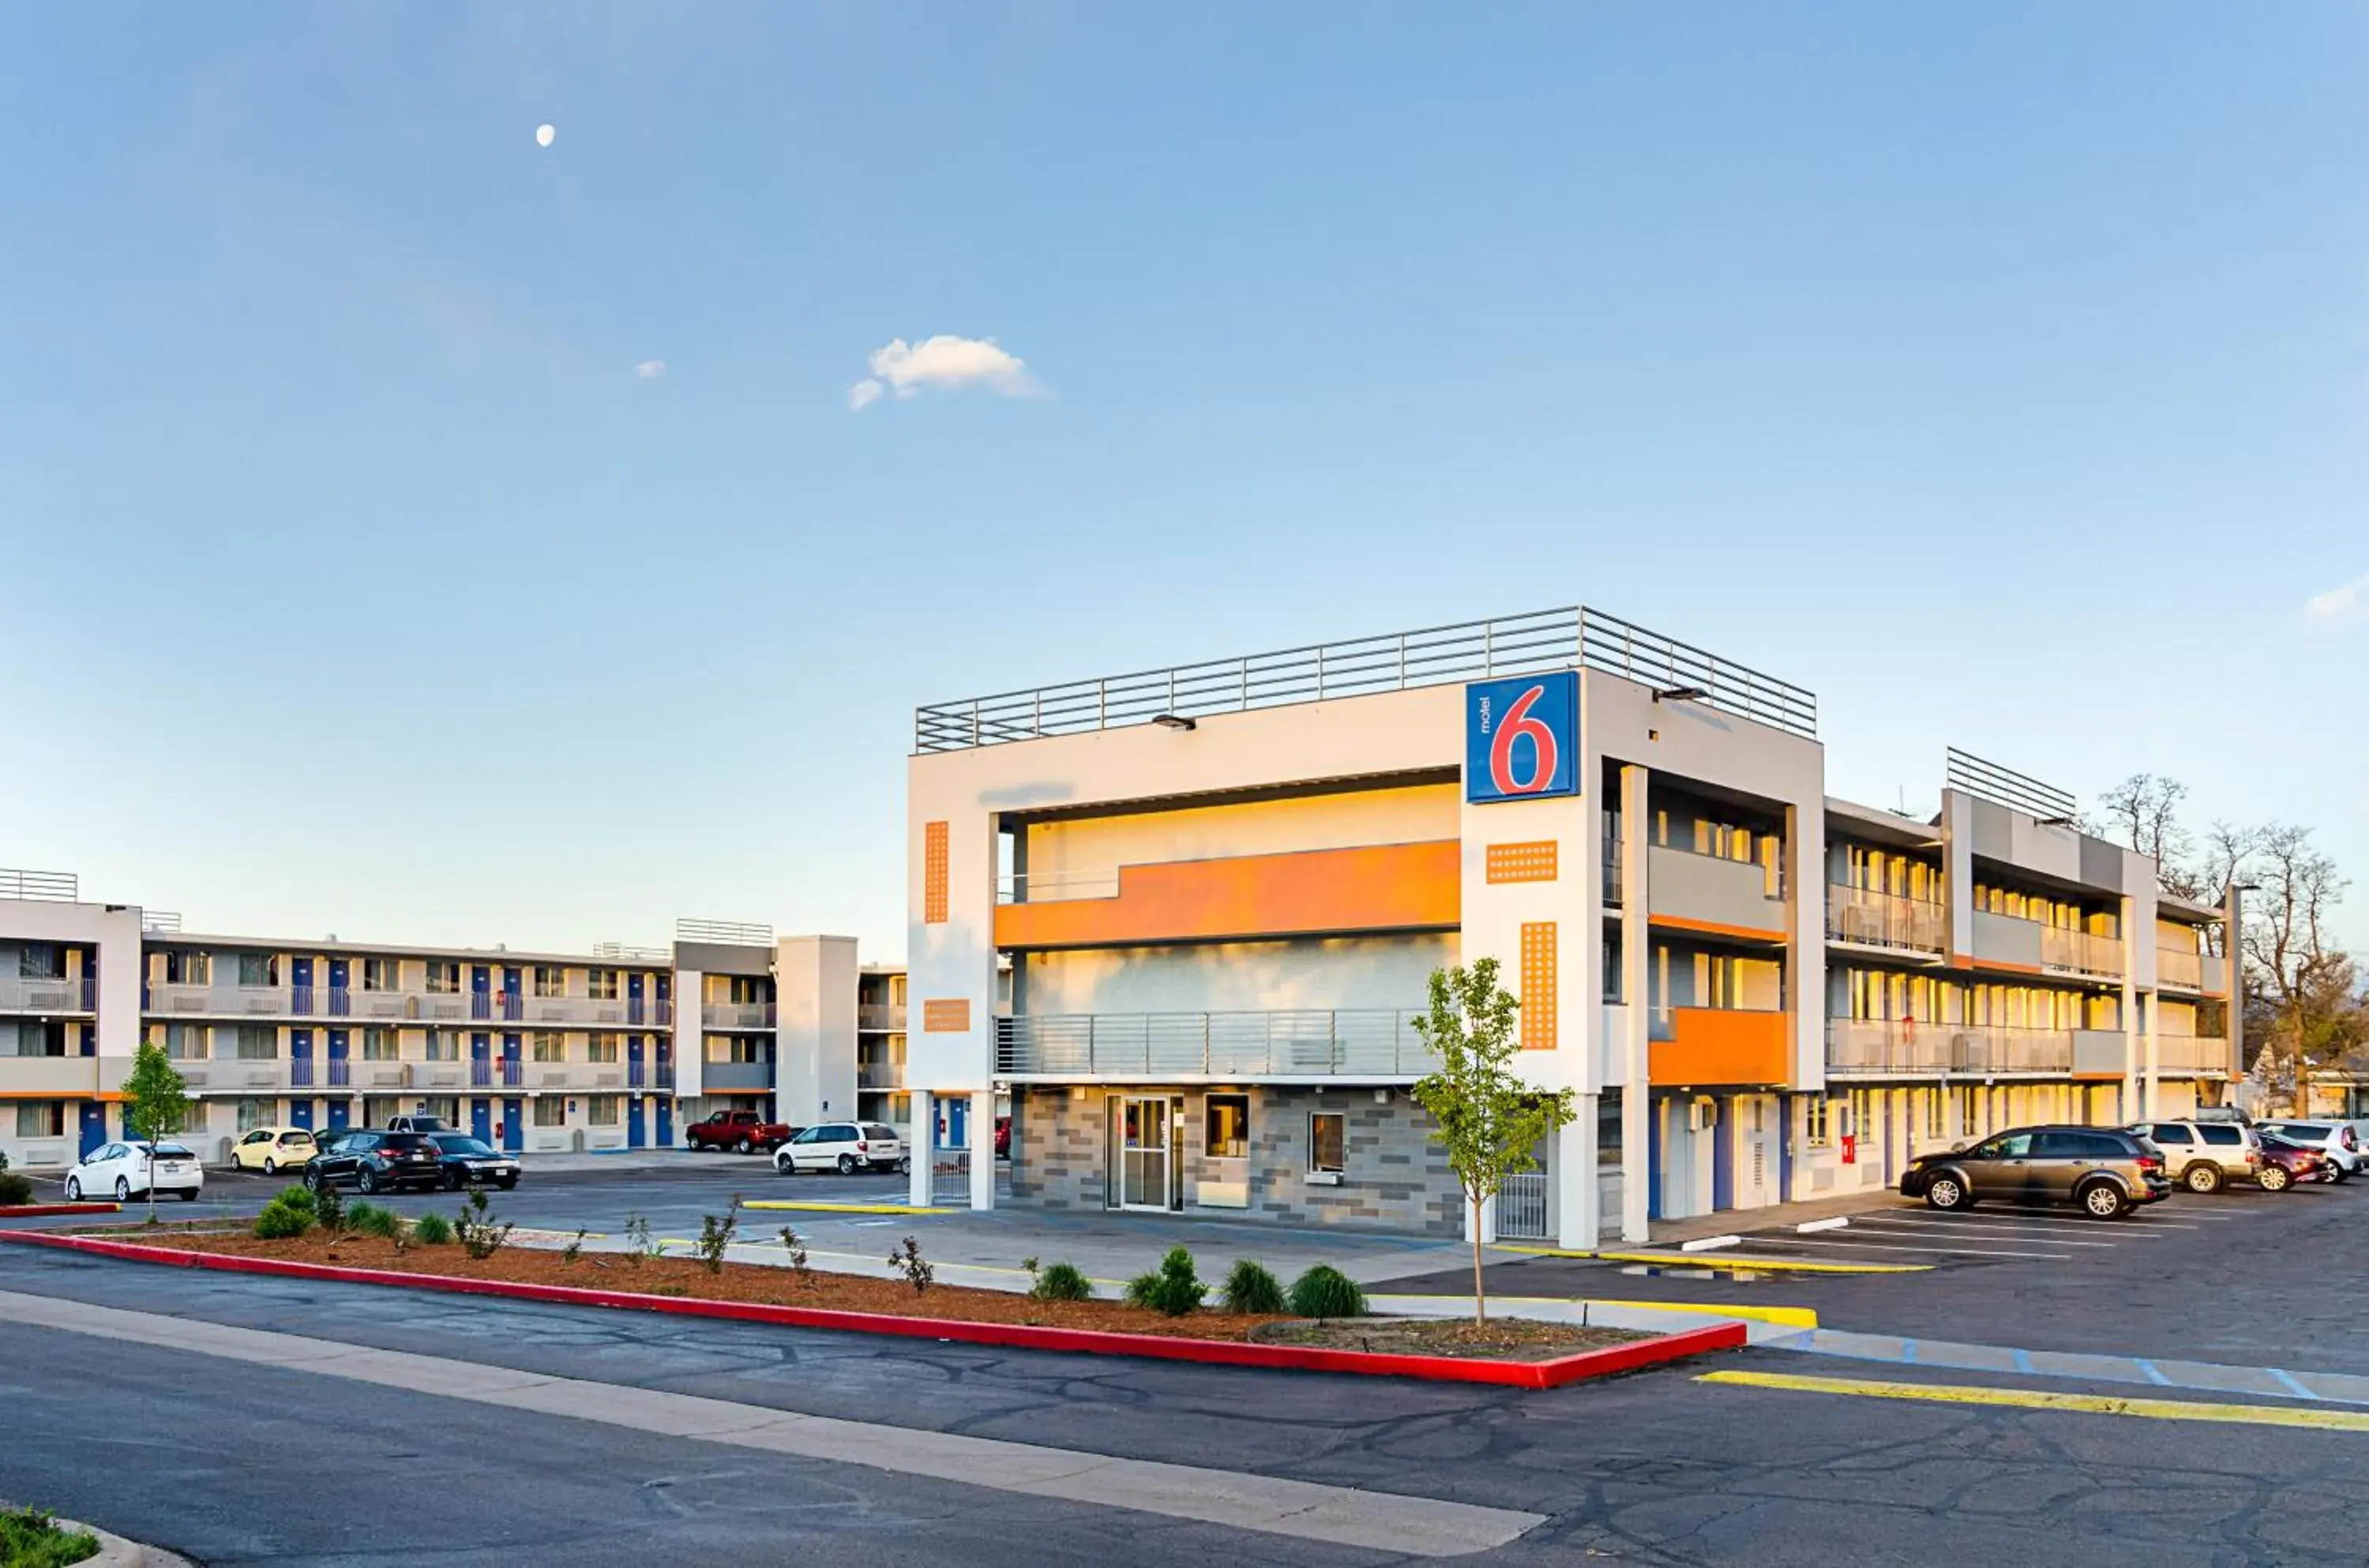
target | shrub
[
  {"x": 479, "y": 1236},
  {"x": 288, "y": 1216},
  {"x": 1325, "y": 1292},
  {"x": 14, "y": 1188},
  {"x": 432, "y": 1231},
  {"x": 798, "y": 1251},
  {"x": 29, "y": 1537},
  {"x": 370, "y": 1219},
  {"x": 1251, "y": 1288},
  {"x": 715, "y": 1237},
  {"x": 1174, "y": 1289},
  {"x": 574, "y": 1249},
  {"x": 906, "y": 1261},
  {"x": 637, "y": 1240},
  {"x": 329, "y": 1208},
  {"x": 1060, "y": 1282}
]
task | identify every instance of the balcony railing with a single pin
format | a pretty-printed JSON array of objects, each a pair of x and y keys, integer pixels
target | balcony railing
[
  {"x": 219, "y": 1001},
  {"x": 77, "y": 995},
  {"x": 737, "y": 1015},
  {"x": 1364, "y": 1043},
  {"x": 1864, "y": 1046},
  {"x": 492, "y": 1007},
  {"x": 1882, "y": 920},
  {"x": 56, "y": 886},
  {"x": 2191, "y": 1053},
  {"x": 2079, "y": 952},
  {"x": 880, "y": 1015},
  {"x": 2018, "y": 942},
  {"x": 880, "y": 1075},
  {"x": 1614, "y": 858},
  {"x": 594, "y": 1077},
  {"x": 1518, "y": 645}
]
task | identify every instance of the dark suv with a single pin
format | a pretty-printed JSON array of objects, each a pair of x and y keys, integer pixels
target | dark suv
[
  {"x": 378, "y": 1162},
  {"x": 2105, "y": 1172}
]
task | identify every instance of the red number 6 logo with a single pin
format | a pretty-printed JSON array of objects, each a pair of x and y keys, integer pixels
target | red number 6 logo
[{"x": 1516, "y": 723}]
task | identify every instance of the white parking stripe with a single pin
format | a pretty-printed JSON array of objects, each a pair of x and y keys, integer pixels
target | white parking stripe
[
  {"x": 1984, "y": 1240},
  {"x": 1916, "y": 1223},
  {"x": 1901, "y": 1247}
]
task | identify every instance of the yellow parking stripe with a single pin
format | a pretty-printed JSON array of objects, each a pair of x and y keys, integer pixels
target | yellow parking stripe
[
  {"x": 1718, "y": 1260},
  {"x": 2038, "y": 1399},
  {"x": 842, "y": 1208},
  {"x": 1783, "y": 1317}
]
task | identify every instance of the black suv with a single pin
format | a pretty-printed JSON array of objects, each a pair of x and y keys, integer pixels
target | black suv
[
  {"x": 378, "y": 1162},
  {"x": 2105, "y": 1172}
]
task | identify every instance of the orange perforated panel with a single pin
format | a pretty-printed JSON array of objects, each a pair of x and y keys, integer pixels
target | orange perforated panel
[
  {"x": 1537, "y": 1014},
  {"x": 1531, "y": 862},
  {"x": 947, "y": 1016},
  {"x": 933, "y": 873}
]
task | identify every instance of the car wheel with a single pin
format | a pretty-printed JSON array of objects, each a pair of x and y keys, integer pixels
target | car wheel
[
  {"x": 187, "y": 1195},
  {"x": 311, "y": 1180},
  {"x": 450, "y": 1181},
  {"x": 271, "y": 1166},
  {"x": 2103, "y": 1200},
  {"x": 2339, "y": 1175},
  {"x": 847, "y": 1164},
  {"x": 1946, "y": 1192},
  {"x": 366, "y": 1179},
  {"x": 74, "y": 1189},
  {"x": 2202, "y": 1178},
  {"x": 2275, "y": 1179},
  {"x": 905, "y": 1166},
  {"x": 744, "y": 1147},
  {"x": 508, "y": 1183},
  {"x": 122, "y": 1190}
]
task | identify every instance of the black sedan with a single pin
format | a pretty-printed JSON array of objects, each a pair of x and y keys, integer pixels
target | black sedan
[
  {"x": 463, "y": 1160},
  {"x": 377, "y": 1161}
]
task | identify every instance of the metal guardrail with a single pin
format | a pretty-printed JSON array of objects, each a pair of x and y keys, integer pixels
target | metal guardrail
[
  {"x": 1517, "y": 644},
  {"x": 50, "y": 887},
  {"x": 730, "y": 934},
  {"x": 1522, "y": 1207},
  {"x": 1346, "y": 1042},
  {"x": 880, "y": 1015},
  {"x": 618, "y": 952},
  {"x": 1864, "y": 1046},
  {"x": 737, "y": 1015},
  {"x": 167, "y": 921},
  {"x": 2005, "y": 786}
]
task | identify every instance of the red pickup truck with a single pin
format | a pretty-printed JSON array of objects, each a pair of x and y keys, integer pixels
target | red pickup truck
[{"x": 743, "y": 1132}]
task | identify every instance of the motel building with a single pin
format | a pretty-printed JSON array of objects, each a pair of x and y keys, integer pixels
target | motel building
[
  {"x": 612, "y": 1050},
  {"x": 1185, "y": 920}
]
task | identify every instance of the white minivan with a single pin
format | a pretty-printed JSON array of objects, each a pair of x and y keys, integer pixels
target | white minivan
[{"x": 844, "y": 1147}]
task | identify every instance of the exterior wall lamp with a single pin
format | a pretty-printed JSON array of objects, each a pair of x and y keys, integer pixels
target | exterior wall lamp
[{"x": 1173, "y": 721}]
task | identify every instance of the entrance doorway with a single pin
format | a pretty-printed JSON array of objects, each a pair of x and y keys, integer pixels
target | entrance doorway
[{"x": 1143, "y": 1171}]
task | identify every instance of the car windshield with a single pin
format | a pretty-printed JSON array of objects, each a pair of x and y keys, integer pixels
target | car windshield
[
  {"x": 173, "y": 1151},
  {"x": 873, "y": 1130},
  {"x": 400, "y": 1140},
  {"x": 461, "y": 1143},
  {"x": 2301, "y": 1131}
]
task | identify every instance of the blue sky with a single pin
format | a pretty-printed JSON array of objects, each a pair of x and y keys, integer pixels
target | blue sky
[{"x": 1996, "y": 373}]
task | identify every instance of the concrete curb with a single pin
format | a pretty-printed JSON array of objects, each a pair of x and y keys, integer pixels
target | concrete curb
[
  {"x": 114, "y": 1551},
  {"x": 1727, "y": 1336},
  {"x": 36, "y": 1210}
]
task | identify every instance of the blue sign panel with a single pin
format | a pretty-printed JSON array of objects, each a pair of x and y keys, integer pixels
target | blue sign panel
[{"x": 1521, "y": 737}]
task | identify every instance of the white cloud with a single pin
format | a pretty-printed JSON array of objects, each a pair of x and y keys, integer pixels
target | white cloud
[
  {"x": 2341, "y": 603},
  {"x": 902, "y": 370},
  {"x": 651, "y": 370}
]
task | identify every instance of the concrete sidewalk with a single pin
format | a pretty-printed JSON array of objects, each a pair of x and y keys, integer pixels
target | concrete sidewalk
[{"x": 1776, "y": 1217}]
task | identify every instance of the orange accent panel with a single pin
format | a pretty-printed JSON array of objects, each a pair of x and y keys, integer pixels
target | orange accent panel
[
  {"x": 947, "y": 1016},
  {"x": 934, "y": 873},
  {"x": 2010, "y": 969},
  {"x": 1537, "y": 1014},
  {"x": 1377, "y": 887},
  {"x": 1717, "y": 1044},
  {"x": 1535, "y": 861},
  {"x": 1714, "y": 928}
]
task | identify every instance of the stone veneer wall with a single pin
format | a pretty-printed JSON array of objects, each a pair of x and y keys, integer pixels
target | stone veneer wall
[{"x": 1396, "y": 1179}]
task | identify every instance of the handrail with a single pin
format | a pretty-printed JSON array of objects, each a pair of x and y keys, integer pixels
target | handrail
[
  {"x": 54, "y": 887},
  {"x": 1517, "y": 644},
  {"x": 2005, "y": 786}
]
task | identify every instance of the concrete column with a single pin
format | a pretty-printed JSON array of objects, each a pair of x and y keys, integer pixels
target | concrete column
[
  {"x": 925, "y": 1146},
  {"x": 1579, "y": 1213},
  {"x": 1636, "y": 988},
  {"x": 2152, "y": 1048},
  {"x": 982, "y": 1150},
  {"x": 2138, "y": 1066}
]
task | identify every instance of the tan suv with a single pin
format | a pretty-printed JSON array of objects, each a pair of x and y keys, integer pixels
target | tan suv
[{"x": 2203, "y": 1157}]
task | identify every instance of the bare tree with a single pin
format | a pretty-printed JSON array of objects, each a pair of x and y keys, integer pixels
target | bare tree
[
  {"x": 2304, "y": 1001},
  {"x": 2142, "y": 811}
]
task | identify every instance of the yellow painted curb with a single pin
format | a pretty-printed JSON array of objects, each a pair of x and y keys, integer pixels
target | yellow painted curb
[
  {"x": 841, "y": 1208},
  {"x": 1719, "y": 1260},
  {"x": 2040, "y": 1399},
  {"x": 1784, "y": 1317}
]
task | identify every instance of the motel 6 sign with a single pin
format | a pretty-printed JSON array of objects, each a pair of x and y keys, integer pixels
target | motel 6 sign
[{"x": 1521, "y": 737}]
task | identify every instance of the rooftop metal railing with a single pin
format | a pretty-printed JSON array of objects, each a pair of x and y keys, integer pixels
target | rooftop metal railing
[
  {"x": 1517, "y": 644},
  {"x": 2005, "y": 786},
  {"x": 619, "y": 952},
  {"x": 54, "y": 887},
  {"x": 731, "y": 933}
]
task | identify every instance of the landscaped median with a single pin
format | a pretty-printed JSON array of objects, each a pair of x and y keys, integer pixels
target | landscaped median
[{"x": 1524, "y": 1354}]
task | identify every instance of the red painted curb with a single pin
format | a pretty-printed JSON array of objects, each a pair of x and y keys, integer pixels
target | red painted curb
[
  {"x": 36, "y": 1210},
  {"x": 1095, "y": 1342}
]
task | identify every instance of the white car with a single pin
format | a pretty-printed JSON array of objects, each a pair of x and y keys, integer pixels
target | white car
[
  {"x": 844, "y": 1147},
  {"x": 2335, "y": 1139},
  {"x": 120, "y": 1170}
]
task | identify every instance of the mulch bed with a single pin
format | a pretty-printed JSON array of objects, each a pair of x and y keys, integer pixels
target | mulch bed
[
  {"x": 1507, "y": 1339},
  {"x": 675, "y": 1277}
]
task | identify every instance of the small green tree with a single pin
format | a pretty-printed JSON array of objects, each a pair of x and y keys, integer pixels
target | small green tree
[
  {"x": 1489, "y": 1117},
  {"x": 154, "y": 1101}
]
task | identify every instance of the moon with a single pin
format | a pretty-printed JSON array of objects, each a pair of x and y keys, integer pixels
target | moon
[{"x": 542, "y": 135}]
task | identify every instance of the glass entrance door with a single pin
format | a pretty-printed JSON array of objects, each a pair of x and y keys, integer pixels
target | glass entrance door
[{"x": 1143, "y": 1153}]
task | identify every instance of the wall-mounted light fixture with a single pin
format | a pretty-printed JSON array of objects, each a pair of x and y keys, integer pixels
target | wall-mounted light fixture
[
  {"x": 1173, "y": 721},
  {"x": 1681, "y": 694}
]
